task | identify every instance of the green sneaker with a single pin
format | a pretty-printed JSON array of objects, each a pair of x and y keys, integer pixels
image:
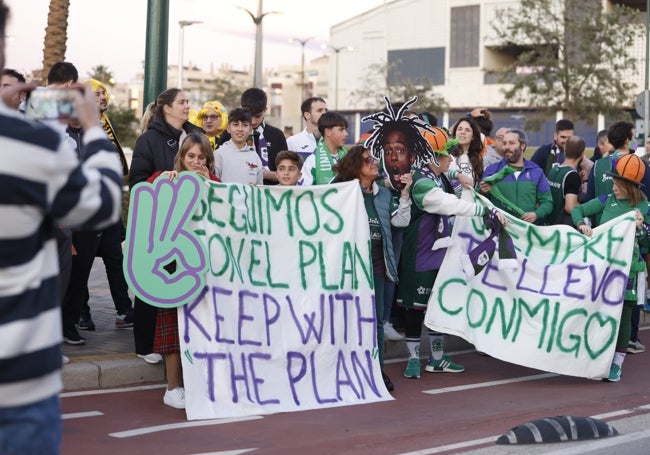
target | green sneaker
[
  {"x": 412, "y": 368},
  {"x": 615, "y": 373},
  {"x": 444, "y": 365}
]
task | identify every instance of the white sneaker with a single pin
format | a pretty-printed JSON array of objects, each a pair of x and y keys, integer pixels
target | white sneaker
[
  {"x": 390, "y": 333},
  {"x": 152, "y": 358},
  {"x": 66, "y": 360},
  {"x": 175, "y": 398}
]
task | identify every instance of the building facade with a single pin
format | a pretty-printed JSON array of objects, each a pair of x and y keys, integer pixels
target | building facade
[{"x": 450, "y": 42}]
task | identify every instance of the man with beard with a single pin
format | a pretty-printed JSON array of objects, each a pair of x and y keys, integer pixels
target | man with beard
[
  {"x": 549, "y": 155},
  {"x": 305, "y": 141},
  {"x": 109, "y": 246},
  {"x": 516, "y": 184}
]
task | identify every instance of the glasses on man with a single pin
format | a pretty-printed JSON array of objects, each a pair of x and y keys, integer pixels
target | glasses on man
[
  {"x": 211, "y": 117},
  {"x": 370, "y": 159}
]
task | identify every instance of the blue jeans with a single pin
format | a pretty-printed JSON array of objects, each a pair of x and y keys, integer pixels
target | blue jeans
[{"x": 32, "y": 429}]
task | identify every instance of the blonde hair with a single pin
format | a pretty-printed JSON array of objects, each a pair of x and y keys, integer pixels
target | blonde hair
[
  {"x": 190, "y": 141},
  {"x": 147, "y": 116},
  {"x": 632, "y": 190}
]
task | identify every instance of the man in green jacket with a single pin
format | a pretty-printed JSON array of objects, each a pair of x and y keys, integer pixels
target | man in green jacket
[{"x": 517, "y": 185}]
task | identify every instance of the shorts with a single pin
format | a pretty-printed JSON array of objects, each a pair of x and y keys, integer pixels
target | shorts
[{"x": 415, "y": 288}]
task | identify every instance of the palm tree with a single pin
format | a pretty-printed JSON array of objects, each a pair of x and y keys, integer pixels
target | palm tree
[
  {"x": 103, "y": 74},
  {"x": 56, "y": 35}
]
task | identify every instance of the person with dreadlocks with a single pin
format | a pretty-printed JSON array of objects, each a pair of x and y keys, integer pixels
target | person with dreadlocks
[{"x": 426, "y": 238}]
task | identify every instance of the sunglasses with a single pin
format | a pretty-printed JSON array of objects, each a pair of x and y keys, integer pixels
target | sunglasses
[{"x": 370, "y": 159}]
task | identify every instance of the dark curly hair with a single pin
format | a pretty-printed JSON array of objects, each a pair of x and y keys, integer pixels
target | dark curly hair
[
  {"x": 390, "y": 120},
  {"x": 349, "y": 167},
  {"x": 475, "y": 147}
]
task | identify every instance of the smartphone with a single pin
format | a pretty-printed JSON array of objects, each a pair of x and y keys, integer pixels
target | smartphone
[{"x": 51, "y": 104}]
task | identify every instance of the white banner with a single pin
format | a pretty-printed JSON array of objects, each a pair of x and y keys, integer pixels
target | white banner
[
  {"x": 553, "y": 305},
  {"x": 286, "y": 321}
]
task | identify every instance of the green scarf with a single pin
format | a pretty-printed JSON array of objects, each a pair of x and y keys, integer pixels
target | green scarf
[
  {"x": 323, "y": 172},
  {"x": 496, "y": 193}
]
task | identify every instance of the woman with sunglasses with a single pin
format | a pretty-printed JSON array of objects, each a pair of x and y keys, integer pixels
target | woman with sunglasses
[{"x": 383, "y": 211}]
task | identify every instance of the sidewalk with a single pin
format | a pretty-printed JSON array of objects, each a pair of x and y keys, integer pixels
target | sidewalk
[{"x": 108, "y": 358}]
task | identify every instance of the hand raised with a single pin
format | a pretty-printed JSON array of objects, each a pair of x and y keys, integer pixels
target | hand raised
[{"x": 164, "y": 261}]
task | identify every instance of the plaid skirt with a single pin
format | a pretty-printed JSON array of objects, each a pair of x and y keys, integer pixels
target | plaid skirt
[{"x": 167, "y": 340}]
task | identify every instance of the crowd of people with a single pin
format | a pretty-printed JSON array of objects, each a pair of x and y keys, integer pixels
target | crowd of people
[{"x": 410, "y": 172}]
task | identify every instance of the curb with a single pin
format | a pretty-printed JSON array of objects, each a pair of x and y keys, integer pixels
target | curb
[
  {"x": 109, "y": 372},
  {"x": 98, "y": 372}
]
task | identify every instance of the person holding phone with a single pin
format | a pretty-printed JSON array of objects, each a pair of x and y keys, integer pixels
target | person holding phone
[{"x": 42, "y": 189}]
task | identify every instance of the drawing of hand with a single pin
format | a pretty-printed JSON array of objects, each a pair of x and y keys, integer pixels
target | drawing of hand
[{"x": 164, "y": 261}]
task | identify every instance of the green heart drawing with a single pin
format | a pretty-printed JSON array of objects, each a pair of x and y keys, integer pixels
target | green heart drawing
[{"x": 608, "y": 321}]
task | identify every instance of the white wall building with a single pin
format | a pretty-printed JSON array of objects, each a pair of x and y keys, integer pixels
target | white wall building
[{"x": 449, "y": 41}]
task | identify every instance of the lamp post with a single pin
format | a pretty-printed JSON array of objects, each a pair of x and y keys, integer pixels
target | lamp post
[
  {"x": 302, "y": 43},
  {"x": 181, "y": 45},
  {"x": 337, "y": 50},
  {"x": 155, "y": 54},
  {"x": 257, "y": 20}
]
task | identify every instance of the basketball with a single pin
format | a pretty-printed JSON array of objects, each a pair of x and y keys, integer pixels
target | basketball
[
  {"x": 631, "y": 167},
  {"x": 438, "y": 141}
]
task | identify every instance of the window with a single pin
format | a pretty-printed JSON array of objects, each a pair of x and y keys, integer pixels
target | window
[
  {"x": 465, "y": 30},
  {"x": 416, "y": 65}
]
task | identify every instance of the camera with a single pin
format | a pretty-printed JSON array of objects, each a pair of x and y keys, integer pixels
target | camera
[{"x": 51, "y": 104}]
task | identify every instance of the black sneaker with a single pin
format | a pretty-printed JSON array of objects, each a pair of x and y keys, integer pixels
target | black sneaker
[
  {"x": 122, "y": 321},
  {"x": 387, "y": 382},
  {"x": 71, "y": 336},
  {"x": 86, "y": 324}
]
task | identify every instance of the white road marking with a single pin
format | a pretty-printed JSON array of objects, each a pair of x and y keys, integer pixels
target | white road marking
[
  {"x": 459, "y": 445},
  {"x": 574, "y": 450},
  {"x": 645, "y": 407},
  {"x": 404, "y": 359},
  {"x": 590, "y": 446},
  {"x": 479, "y": 385},
  {"x": 174, "y": 426},
  {"x": 81, "y": 415},
  {"x": 83, "y": 393},
  {"x": 227, "y": 452}
]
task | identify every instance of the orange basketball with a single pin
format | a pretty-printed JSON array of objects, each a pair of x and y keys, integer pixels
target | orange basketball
[
  {"x": 631, "y": 167},
  {"x": 437, "y": 141}
]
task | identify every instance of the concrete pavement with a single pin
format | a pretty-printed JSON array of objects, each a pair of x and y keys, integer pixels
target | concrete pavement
[{"x": 108, "y": 358}]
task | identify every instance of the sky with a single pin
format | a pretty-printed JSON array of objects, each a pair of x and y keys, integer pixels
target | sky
[{"x": 112, "y": 32}]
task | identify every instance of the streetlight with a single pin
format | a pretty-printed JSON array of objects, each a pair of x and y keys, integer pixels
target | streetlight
[
  {"x": 257, "y": 20},
  {"x": 181, "y": 44},
  {"x": 337, "y": 50},
  {"x": 302, "y": 43}
]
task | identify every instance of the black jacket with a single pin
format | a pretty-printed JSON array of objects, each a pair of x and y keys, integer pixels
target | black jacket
[{"x": 155, "y": 150}]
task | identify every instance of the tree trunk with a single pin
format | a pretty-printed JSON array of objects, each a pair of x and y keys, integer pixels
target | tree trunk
[{"x": 56, "y": 35}]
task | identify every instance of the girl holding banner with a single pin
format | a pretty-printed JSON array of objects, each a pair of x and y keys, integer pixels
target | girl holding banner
[
  {"x": 626, "y": 197},
  {"x": 196, "y": 155}
]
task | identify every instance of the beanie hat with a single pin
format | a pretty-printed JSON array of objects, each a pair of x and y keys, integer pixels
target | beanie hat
[{"x": 629, "y": 168}]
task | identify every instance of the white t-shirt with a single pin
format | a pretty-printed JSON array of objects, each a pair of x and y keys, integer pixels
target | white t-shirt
[{"x": 303, "y": 142}]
